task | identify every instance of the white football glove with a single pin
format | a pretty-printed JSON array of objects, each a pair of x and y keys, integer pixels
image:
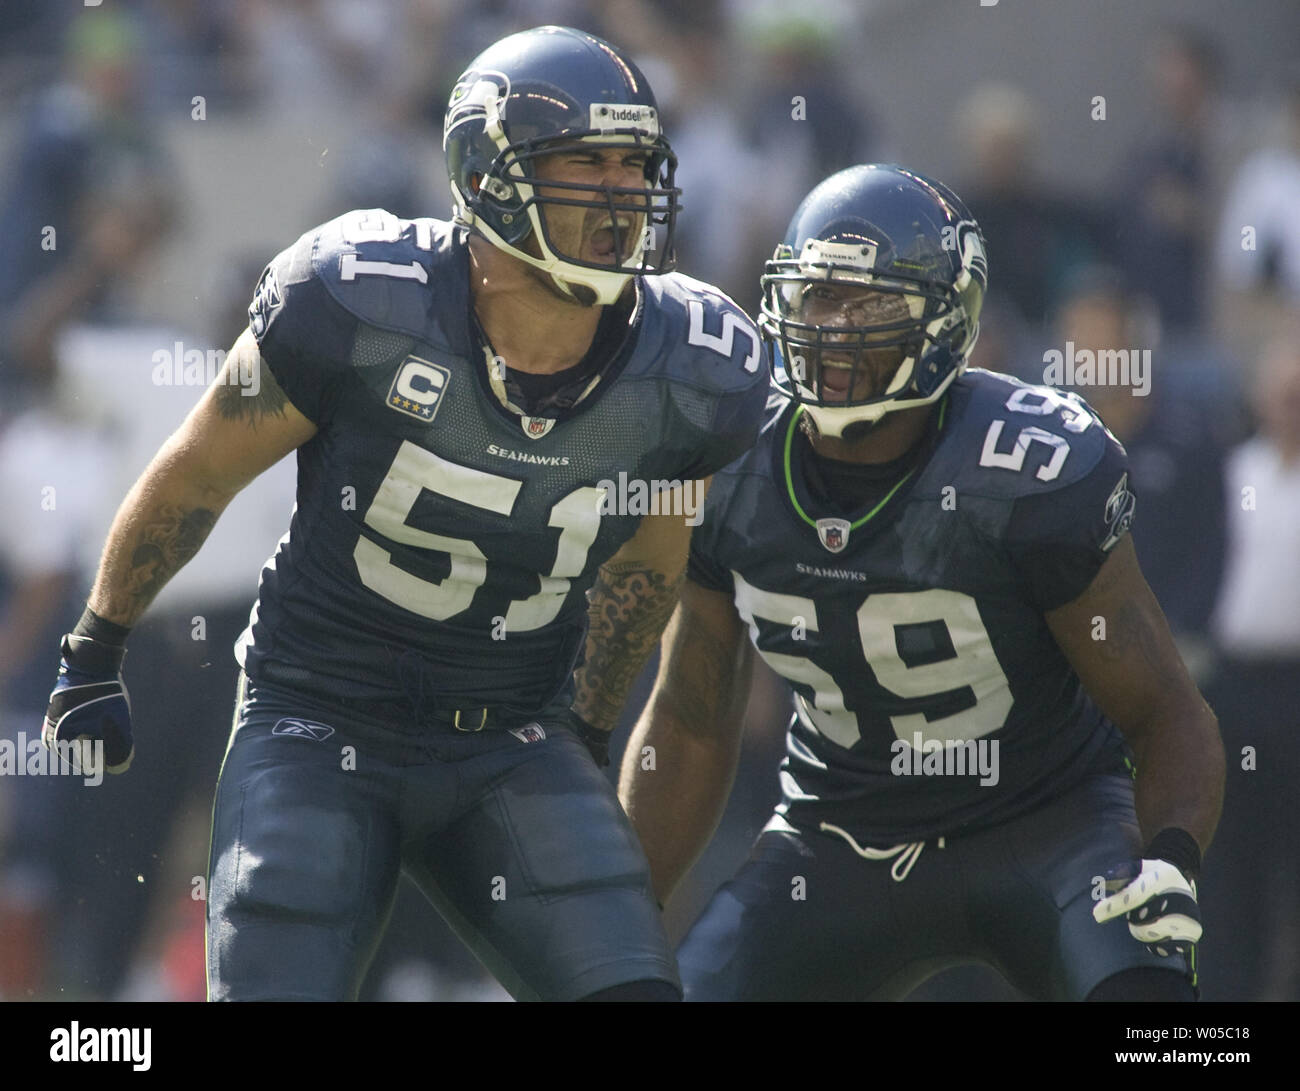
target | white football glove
[{"x": 1160, "y": 902}]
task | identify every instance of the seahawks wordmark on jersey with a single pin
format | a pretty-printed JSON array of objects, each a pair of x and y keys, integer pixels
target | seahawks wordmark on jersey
[
  {"x": 442, "y": 545},
  {"x": 918, "y": 625}
]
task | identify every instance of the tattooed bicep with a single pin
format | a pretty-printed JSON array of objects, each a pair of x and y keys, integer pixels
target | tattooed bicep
[
  {"x": 246, "y": 389},
  {"x": 241, "y": 426}
]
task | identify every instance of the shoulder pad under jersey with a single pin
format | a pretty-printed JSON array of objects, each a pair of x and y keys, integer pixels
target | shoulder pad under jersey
[{"x": 1005, "y": 439}]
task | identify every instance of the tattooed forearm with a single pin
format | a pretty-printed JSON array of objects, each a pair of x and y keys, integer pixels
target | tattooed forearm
[
  {"x": 630, "y": 605},
  {"x": 698, "y": 683},
  {"x": 249, "y": 401},
  {"x": 143, "y": 553}
]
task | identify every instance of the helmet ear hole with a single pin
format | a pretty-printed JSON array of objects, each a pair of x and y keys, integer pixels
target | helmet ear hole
[
  {"x": 932, "y": 368},
  {"x": 473, "y": 173}
]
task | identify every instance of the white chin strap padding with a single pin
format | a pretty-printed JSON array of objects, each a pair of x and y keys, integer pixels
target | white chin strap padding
[
  {"x": 606, "y": 286},
  {"x": 832, "y": 421}
]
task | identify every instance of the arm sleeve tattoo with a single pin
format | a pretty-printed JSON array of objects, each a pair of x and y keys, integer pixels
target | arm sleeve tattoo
[
  {"x": 155, "y": 548},
  {"x": 630, "y": 605},
  {"x": 235, "y": 403},
  {"x": 164, "y": 522},
  {"x": 699, "y": 680}
]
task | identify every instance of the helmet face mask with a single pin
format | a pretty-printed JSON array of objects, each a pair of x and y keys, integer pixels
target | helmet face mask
[
  {"x": 554, "y": 92},
  {"x": 845, "y": 343},
  {"x": 871, "y": 304},
  {"x": 627, "y": 210}
]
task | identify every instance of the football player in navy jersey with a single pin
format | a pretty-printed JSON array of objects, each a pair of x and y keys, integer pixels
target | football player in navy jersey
[
  {"x": 996, "y": 753},
  {"x": 463, "y": 397}
]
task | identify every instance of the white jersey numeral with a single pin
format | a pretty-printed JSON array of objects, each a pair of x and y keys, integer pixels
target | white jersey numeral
[
  {"x": 826, "y": 710},
  {"x": 371, "y": 225},
  {"x": 416, "y": 469},
  {"x": 351, "y": 267},
  {"x": 973, "y": 664},
  {"x": 578, "y": 517},
  {"x": 377, "y": 225},
  {"x": 1074, "y": 415},
  {"x": 1015, "y": 458},
  {"x": 723, "y": 342}
]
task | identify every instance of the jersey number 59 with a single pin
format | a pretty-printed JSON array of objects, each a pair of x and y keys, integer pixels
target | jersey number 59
[{"x": 971, "y": 670}]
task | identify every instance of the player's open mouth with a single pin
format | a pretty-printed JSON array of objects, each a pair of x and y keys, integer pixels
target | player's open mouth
[
  {"x": 602, "y": 242},
  {"x": 837, "y": 379}
]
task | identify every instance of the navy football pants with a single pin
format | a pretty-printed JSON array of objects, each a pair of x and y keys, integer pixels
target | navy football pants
[
  {"x": 522, "y": 846},
  {"x": 807, "y": 918}
]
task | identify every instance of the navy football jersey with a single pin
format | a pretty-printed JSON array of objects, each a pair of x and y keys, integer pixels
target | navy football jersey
[
  {"x": 442, "y": 545},
  {"x": 918, "y": 624}
]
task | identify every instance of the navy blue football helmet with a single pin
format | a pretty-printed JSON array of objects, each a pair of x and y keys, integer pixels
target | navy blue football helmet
[
  {"x": 542, "y": 91},
  {"x": 910, "y": 241}
]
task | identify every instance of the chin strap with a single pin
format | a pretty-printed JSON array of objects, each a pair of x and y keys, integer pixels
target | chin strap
[{"x": 560, "y": 400}]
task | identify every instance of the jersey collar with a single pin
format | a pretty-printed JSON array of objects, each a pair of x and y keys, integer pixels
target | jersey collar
[
  {"x": 806, "y": 507},
  {"x": 583, "y": 393}
]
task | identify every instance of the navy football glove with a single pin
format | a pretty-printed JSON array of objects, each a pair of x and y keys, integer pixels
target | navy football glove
[
  {"x": 1157, "y": 895},
  {"x": 89, "y": 702}
]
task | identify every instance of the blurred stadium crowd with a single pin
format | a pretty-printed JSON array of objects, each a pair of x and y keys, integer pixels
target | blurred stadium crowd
[{"x": 155, "y": 154}]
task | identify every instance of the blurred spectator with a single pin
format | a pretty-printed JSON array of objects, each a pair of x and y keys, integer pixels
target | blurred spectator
[
  {"x": 1256, "y": 615},
  {"x": 715, "y": 229},
  {"x": 1169, "y": 193},
  {"x": 1175, "y": 448},
  {"x": 1252, "y": 892},
  {"x": 1257, "y": 255},
  {"x": 797, "y": 114},
  {"x": 322, "y": 55},
  {"x": 89, "y": 200},
  {"x": 30, "y": 31},
  {"x": 1035, "y": 238},
  {"x": 1006, "y": 341},
  {"x": 89, "y": 197},
  {"x": 382, "y": 170},
  {"x": 196, "y": 47},
  {"x": 53, "y": 476},
  {"x": 802, "y": 113},
  {"x": 88, "y": 868}
]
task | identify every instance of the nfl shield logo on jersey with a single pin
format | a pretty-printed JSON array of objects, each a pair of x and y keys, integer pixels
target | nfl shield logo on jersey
[
  {"x": 529, "y": 732},
  {"x": 834, "y": 533},
  {"x": 536, "y": 427}
]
